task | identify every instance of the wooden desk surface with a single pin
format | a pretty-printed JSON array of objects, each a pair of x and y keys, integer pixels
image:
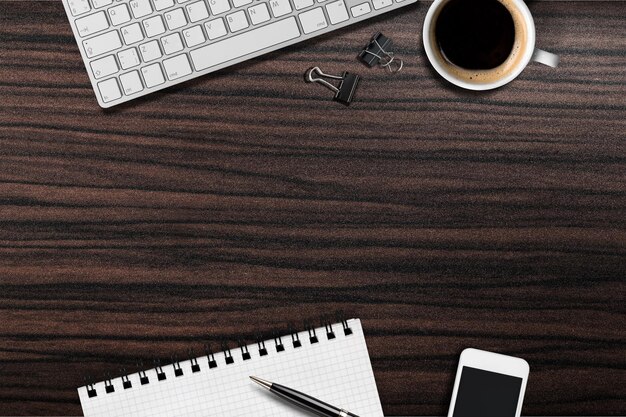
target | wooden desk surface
[{"x": 239, "y": 201}]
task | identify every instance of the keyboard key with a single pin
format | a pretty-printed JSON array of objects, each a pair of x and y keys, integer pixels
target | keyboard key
[
  {"x": 101, "y": 3},
  {"x": 197, "y": 11},
  {"x": 193, "y": 36},
  {"x": 303, "y": 4},
  {"x": 102, "y": 44},
  {"x": 128, "y": 58},
  {"x": 313, "y": 20},
  {"x": 78, "y": 7},
  {"x": 163, "y": 4},
  {"x": 245, "y": 43},
  {"x": 154, "y": 26},
  {"x": 150, "y": 51},
  {"x": 175, "y": 19},
  {"x": 360, "y": 9},
  {"x": 239, "y": 3},
  {"x": 104, "y": 67},
  {"x": 91, "y": 24},
  {"x": 177, "y": 67},
  {"x": 152, "y": 75},
  {"x": 131, "y": 83},
  {"x": 140, "y": 8},
  {"x": 109, "y": 90},
  {"x": 215, "y": 28},
  {"x": 237, "y": 21},
  {"x": 119, "y": 14},
  {"x": 172, "y": 43},
  {"x": 132, "y": 33},
  {"x": 280, "y": 7},
  {"x": 219, "y": 6},
  {"x": 337, "y": 12},
  {"x": 379, "y": 4},
  {"x": 259, "y": 13}
]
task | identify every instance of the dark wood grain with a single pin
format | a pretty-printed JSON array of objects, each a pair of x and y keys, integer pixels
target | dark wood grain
[{"x": 238, "y": 201}]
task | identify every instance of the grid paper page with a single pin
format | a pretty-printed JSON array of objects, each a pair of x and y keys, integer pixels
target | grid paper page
[{"x": 337, "y": 371}]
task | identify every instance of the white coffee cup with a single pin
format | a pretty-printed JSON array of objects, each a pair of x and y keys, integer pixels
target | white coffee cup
[{"x": 446, "y": 69}]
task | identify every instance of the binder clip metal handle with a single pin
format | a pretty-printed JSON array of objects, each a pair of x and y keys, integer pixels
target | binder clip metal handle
[{"x": 344, "y": 92}]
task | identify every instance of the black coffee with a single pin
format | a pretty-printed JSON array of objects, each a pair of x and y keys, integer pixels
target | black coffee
[{"x": 475, "y": 34}]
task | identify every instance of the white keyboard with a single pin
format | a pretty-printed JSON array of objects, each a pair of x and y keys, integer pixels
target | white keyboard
[{"x": 135, "y": 47}]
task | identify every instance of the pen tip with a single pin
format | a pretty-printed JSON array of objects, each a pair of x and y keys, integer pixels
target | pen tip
[{"x": 261, "y": 382}]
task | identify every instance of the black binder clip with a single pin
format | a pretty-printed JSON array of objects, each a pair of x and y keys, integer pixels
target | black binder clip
[
  {"x": 377, "y": 52},
  {"x": 344, "y": 93}
]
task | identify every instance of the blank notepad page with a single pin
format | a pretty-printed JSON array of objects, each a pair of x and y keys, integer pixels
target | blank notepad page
[{"x": 335, "y": 370}]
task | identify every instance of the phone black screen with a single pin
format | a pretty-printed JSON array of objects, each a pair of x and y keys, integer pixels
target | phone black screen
[{"x": 486, "y": 394}]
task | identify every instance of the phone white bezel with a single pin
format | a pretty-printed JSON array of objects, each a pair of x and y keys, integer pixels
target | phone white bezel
[{"x": 493, "y": 362}]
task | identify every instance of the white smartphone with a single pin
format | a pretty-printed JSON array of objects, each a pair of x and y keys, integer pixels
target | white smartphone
[{"x": 488, "y": 385}]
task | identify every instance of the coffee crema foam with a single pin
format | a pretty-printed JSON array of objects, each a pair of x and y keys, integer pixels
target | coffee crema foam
[{"x": 486, "y": 76}]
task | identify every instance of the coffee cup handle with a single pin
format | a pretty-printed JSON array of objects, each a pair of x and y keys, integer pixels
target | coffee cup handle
[{"x": 545, "y": 58}]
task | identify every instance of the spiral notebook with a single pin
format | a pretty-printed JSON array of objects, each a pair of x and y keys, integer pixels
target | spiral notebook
[{"x": 330, "y": 363}]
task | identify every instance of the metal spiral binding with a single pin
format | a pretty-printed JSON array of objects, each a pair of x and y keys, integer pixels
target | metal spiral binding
[
  {"x": 91, "y": 390},
  {"x": 195, "y": 366},
  {"x": 227, "y": 353},
  {"x": 159, "y": 370},
  {"x": 125, "y": 381},
  {"x": 261, "y": 344},
  {"x": 295, "y": 337},
  {"x": 328, "y": 326},
  {"x": 143, "y": 378},
  {"x": 210, "y": 356},
  {"x": 278, "y": 340},
  {"x": 178, "y": 371},
  {"x": 108, "y": 384},
  {"x": 344, "y": 323},
  {"x": 260, "y": 341},
  {"x": 311, "y": 330},
  {"x": 245, "y": 353}
]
